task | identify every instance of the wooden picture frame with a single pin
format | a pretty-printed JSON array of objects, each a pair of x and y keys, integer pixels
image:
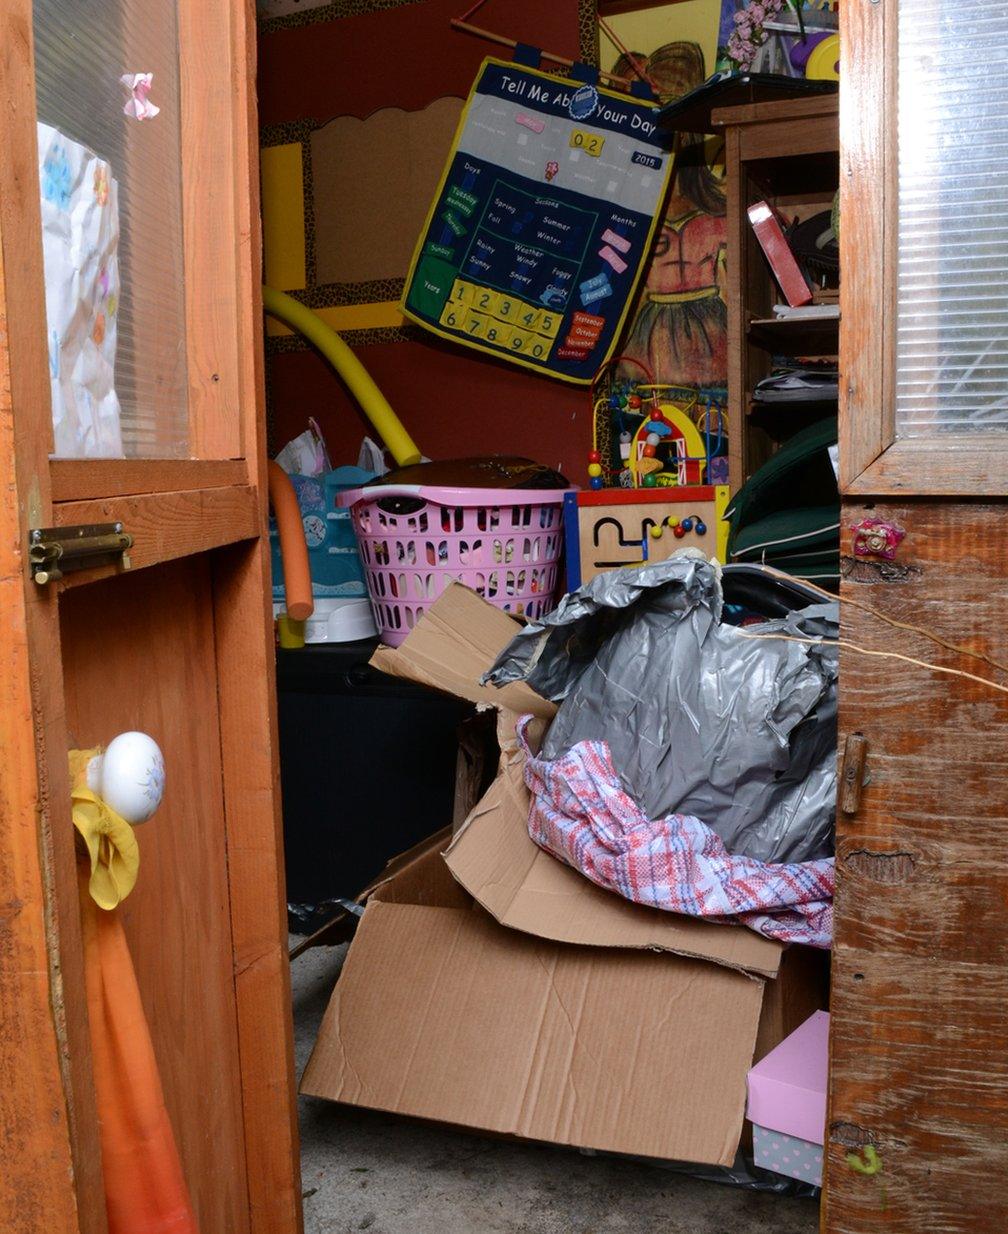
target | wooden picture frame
[{"x": 874, "y": 461}]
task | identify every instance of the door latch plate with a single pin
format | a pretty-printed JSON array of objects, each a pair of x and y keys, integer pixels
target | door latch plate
[{"x": 55, "y": 551}]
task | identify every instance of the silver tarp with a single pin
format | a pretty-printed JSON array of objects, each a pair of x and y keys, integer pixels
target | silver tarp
[{"x": 703, "y": 717}]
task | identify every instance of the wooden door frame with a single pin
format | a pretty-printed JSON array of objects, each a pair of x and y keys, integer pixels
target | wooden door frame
[
  {"x": 217, "y": 501},
  {"x": 873, "y": 461},
  {"x": 922, "y": 833}
]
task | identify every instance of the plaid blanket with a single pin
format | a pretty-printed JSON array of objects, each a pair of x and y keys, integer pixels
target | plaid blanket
[{"x": 581, "y": 813}]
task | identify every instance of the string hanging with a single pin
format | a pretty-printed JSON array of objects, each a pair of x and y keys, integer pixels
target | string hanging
[{"x": 462, "y": 23}]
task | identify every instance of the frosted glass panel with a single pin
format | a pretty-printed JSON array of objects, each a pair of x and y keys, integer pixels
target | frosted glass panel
[
  {"x": 111, "y": 202},
  {"x": 952, "y": 320}
]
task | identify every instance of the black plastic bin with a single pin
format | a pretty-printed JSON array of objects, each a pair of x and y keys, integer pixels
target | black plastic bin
[{"x": 367, "y": 768}]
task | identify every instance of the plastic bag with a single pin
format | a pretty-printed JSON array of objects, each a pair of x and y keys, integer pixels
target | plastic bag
[{"x": 703, "y": 717}]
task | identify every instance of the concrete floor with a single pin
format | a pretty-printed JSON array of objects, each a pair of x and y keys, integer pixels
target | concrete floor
[{"x": 367, "y": 1171}]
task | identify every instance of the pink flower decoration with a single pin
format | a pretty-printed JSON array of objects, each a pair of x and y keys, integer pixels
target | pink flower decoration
[
  {"x": 874, "y": 537},
  {"x": 137, "y": 86}
]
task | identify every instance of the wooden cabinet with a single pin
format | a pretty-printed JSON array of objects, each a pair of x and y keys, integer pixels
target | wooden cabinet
[
  {"x": 919, "y": 1030},
  {"x": 785, "y": 153},
  {"x": 179, "y": 645}
]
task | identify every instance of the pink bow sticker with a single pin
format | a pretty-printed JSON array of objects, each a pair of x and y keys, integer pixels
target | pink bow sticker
[{"x": 137, "y": 87}]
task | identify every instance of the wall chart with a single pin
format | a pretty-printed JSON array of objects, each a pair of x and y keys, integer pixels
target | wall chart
[{"x": 542, "y": 222}]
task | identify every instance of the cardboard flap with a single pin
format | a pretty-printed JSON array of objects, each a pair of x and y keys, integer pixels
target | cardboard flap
[
  {"x": 421, "y": 877},
  {"x": 456, "y": 642},
  {"x": 441, "y": 1014},
  {"x": 503, "y": 869}
]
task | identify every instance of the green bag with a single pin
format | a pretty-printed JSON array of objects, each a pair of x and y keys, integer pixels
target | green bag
[
  {"x": 788, "y": 532},
  {"x": 799, "y": 474}
]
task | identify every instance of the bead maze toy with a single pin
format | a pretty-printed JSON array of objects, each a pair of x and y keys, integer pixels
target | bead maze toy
[
  {"x": 657, "y": 475},
  {"x": 649, "y": 434}
]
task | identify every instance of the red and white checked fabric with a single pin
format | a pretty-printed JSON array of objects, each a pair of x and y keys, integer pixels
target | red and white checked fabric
[{"x": 581, "y": 813}]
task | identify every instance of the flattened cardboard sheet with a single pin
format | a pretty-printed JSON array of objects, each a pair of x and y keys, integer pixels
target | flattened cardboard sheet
[
  {"x": 451, "y": 648},
  {"x": 442, "y": 1014},
  {"x": 527, "y": 889}
]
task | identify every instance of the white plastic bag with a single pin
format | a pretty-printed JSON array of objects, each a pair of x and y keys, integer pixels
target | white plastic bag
[{"x": 80, "y": 239}]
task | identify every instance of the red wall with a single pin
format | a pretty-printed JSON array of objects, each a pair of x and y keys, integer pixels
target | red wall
[
  {"x": 400, "y": 57},
  {"x": 454, "y": 402}
]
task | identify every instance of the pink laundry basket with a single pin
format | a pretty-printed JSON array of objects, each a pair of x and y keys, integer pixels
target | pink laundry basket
[{"x": 414, "y": 540}]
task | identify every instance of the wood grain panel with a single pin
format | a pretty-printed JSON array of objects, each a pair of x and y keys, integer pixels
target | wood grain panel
[
  {"x": 166, "y": 526},
  {"x": 935, "y": 1104},
  {"x": 87, "y": 478},
  {"x": 944, "y": 466},
  {"x": 243, "y": 630},
  {"x": 804, "y": 135},
  {"x": 159, "y": 675},
  {"x": 43, "y": 1096},
  {"x": 919, "y": 1048},
  {"x": 784, "y": 109},
  {"x": 867, "y": 145},
  {"x": 210, "y": 225},
  {"x": 34, "y": 1121},
  {"x": 251, "y": 772},
  {"x": 737, "y": 287}
]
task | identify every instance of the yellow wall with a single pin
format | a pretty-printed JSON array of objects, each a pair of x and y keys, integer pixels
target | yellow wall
[
  {"x": 694, "y": 21},
  {"x": 283, "y": 217}
]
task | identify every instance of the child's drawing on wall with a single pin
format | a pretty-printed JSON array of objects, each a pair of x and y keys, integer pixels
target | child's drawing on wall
[{"x": 681, "y": 324}]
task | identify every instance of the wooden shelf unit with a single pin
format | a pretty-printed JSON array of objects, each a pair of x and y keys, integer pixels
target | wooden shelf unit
[
  {"x": 795, "y": 336},
  {"x": 800, "y": 182}
]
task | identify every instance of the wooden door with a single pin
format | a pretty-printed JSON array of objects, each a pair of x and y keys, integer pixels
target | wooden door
[
  {"x": 919, "y": 1031},
  {"x": 178, "y": 645}
]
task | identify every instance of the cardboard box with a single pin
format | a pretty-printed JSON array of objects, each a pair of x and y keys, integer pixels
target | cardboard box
[
  {"x": 787, "y": 1102},
  {"x": 496, "y": 988}
]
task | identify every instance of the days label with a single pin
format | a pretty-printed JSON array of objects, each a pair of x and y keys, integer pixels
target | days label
[{"x": 453, "y": 223}]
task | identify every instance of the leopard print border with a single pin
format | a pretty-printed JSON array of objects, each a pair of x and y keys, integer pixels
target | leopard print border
[
  {"x": 588, "y": 31},
  {"x": 588, "y": 41},
  {"x": 328, "y": 12}
]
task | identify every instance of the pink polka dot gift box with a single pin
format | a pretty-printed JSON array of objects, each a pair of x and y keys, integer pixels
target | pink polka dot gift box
[{"x": 787, "y": 1102}]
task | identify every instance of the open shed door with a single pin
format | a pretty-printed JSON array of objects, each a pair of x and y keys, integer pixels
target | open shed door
[
  {"x": 143, "y": 340},
  {"x": 920, "y": 988}
]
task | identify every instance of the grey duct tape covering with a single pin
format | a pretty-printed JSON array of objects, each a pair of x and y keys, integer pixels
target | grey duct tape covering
[{"x": 701, "y": 717}]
